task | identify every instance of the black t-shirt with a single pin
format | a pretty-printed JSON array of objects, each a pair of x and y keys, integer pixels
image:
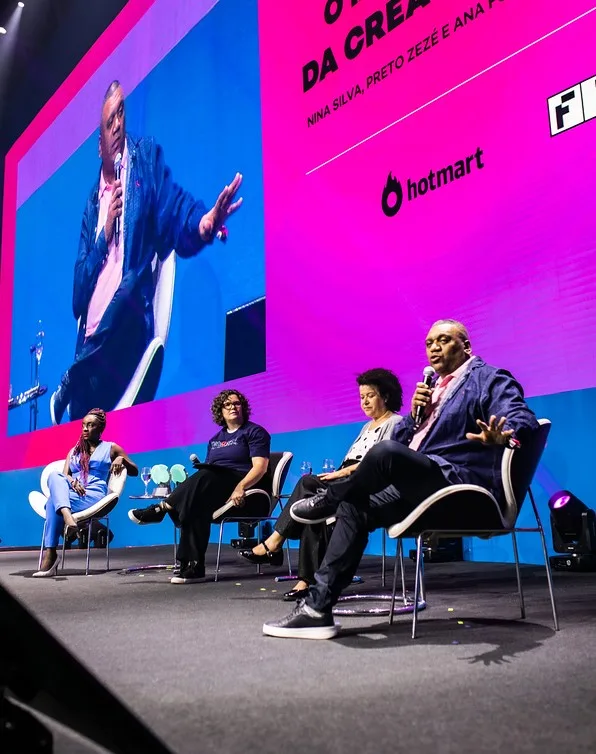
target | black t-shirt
[{"x": 234, "y": 450}]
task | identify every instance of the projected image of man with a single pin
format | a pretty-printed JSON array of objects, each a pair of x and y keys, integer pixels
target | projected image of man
[{"x": 135, "y": 215}]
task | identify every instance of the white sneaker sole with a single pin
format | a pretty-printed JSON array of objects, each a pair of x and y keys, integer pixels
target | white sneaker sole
[
  {"x": 180, "y": 580},
  {"x": 133, "y": 518},
  {"x": 320, "y": 632},
  {"x": 307, "y": 521}
]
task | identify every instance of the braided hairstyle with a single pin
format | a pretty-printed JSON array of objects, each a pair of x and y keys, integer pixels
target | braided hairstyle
[{"x": 83, "y": 449}]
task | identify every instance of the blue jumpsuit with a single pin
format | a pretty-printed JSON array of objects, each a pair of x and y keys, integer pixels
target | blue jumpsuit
[{"x": 63, "y": 496}]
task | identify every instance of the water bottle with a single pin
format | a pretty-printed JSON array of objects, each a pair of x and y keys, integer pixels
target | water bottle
[{"x": 328, "y": 466}]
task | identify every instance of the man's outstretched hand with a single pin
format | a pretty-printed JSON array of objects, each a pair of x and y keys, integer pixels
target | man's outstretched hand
[
  {"x": 492, "y": 433},
  {"x": 212, "y": 221}
]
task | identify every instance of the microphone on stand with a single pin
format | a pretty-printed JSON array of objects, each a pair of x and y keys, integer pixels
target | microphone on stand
[
  {"x": 427, "y": 377},
  {"x": 117, "y": 170}
]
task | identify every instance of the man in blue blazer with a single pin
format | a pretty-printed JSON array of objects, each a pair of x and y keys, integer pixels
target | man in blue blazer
[
  {"x": 465, "y": 420},
  {"x": 135, "y": 213}
]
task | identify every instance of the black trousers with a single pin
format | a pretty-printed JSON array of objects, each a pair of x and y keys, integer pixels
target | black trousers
[
  {"x": 194, "y": 502},
  {"x": 313, "y": 539},
  {"x": 105, "y": 363},
  {"x": 390, "y": 481}
]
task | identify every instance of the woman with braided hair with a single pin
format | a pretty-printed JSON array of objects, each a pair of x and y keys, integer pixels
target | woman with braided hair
[{"x": 82, "y": 483}]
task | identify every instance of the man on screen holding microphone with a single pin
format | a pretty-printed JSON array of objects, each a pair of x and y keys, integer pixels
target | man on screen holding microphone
[
  {"x": 459, "y": 425},
  {"x": 134, "y": 214}
]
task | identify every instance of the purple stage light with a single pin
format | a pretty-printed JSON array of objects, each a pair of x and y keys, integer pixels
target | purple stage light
[{"x": 561, "y": 501}]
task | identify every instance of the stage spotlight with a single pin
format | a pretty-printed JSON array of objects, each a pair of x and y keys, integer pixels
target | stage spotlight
[
  {"x": 2, "y": 30},
  {"x": 574, "y": 533},
  {"x": 21, "y": 5}
]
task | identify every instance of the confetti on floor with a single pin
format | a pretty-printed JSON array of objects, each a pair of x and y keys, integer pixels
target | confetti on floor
[
  {"x": 238, "y": 583},
  {"x": 460, "y": 623},
  {"x": 262, "y": 589},
  {"x": 450, "y": 609}
]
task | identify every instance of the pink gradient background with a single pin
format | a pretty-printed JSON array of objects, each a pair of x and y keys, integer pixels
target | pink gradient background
[{"x": 509, "y": 250}]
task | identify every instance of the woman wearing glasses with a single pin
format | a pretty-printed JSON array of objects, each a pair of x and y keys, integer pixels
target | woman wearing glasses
[{"x": 237, "y": 458}]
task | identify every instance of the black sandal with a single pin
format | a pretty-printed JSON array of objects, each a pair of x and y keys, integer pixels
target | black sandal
[{"x": 270, "y": 558}]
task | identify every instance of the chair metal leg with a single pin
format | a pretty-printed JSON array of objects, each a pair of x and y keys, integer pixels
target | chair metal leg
[
  {"x": 175, "y": 544},
  {"x": 383, "y": 559},
  {"x": 417, "y": 582},
  {"x": 422, "y": 586},
  {"x": 259, "y": 538},
  {"x": 221, "y": 526},
  {"x": 520, "y": 591},
  {"x": 549, "y": 575},
  {"x": 549, "y": 578},
  {"x": 290, "y": 574},
  {"x": 397, "y": 559},
  {"x": 108, "y": 544},
  {"x": 41, "y": 549},
  {"x": 88, "y": 548},
  {"x": 400, "y": 553}
]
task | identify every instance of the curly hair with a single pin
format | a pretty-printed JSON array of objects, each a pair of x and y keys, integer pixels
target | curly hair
[
  {"x": 221, "y": 398},
  {"x": 387, "y": 384},
  {"x": 83, "y": 449}
]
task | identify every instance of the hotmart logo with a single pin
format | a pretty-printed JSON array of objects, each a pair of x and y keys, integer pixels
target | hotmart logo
[{"x": 393, "y": 194}]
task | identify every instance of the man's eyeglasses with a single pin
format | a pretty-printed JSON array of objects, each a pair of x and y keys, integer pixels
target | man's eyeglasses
[{"x": 230, "y": 404}]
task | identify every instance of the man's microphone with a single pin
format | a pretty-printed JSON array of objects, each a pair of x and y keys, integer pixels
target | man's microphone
[
  {"x": 117, "y": 169},
  {"x": 193, "y": 458},
  {"x": 427, "y": 377}
]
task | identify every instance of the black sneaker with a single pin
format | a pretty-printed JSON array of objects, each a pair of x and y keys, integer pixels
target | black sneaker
[
  {"x": 313, "y": 510},
  {"x": 303, "y": 623},
  {"x": 153, "y": 514},
  {"x": 60, "y": 399},
  {"x": 190, "y": 573}
]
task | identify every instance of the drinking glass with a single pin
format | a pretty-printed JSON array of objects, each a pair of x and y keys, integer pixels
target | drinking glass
[
  {"x": 39, "y": 342},
  {"x": 328, "y": 466},
  {"x": 305, "y": 468},
  {"x": 146, "y": 478}
]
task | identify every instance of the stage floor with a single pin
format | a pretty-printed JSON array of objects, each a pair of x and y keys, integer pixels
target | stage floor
[{"x": 192, "y": 663}]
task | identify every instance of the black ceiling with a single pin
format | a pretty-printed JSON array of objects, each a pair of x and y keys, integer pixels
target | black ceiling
[{"x": 52, "y": 36}]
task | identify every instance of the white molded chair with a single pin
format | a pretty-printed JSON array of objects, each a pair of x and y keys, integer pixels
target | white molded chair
[
  {"x": 280, "y": 465},
  {"x": 470, "y": 510},
  {"x": 38, "y": 500},
  {"x": 164, "y": 275},
  {"x": 97, "y": 512}
]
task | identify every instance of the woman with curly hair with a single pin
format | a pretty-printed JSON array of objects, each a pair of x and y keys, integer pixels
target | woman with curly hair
[
  {"x": 82, "y": 483},
  {"x": 380, "y": 399},
  {"x": 237, "y": 458}
]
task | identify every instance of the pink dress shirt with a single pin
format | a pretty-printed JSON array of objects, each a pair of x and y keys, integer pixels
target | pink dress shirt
[
  {"x": 110, "y": 275},
  {"x": 438, "y": 392}
]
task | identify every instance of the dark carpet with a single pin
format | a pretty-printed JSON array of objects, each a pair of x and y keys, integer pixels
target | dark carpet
[{"x": 192, "y": 663}]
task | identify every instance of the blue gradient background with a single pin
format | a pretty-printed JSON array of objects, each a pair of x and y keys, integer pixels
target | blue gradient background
[{"x": 204, "y": 109}]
